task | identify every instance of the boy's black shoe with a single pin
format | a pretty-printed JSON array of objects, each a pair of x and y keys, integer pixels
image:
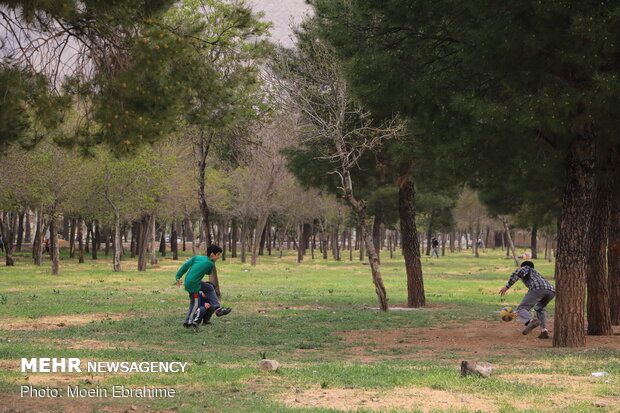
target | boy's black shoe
[
  {"x": 206, "y": 322},
  {"x": 186, "y": 325},
  {"x": 543, "y": 334},
  {"x": 530, "y": 326},
  {"x": 222, "y": 311}
]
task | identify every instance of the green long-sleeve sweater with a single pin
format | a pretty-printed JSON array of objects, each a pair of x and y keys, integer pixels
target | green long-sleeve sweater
[{"x": 196, "y": 268}]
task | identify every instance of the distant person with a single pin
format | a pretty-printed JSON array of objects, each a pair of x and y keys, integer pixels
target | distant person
[
  {"x": 196, "y": 268},
  {"x": 435, "y": 245},
  {"x": 540, "y": 293}
]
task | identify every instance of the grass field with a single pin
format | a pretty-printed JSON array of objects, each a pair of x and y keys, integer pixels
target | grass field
[{"x": 318, "y": 319}]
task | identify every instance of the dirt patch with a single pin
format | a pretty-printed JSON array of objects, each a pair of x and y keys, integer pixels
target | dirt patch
[
  {"x": 54, "y": 322},
  {"x": 423, "y": 399},
  {"x": 455, "y": 340}
]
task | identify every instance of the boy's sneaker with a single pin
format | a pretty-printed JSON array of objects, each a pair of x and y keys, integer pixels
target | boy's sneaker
[
  {"x": 543, "y": 334},
  {"x": 222, "y": 311},
  {"x": 206, "y": 322},
  {"x": 530, "y": 326}
]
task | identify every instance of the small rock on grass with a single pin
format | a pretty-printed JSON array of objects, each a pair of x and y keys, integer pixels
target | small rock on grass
[
  {"x": 480, "y": 368},
  {"x": 600, "y": 403},
  {"x": 268, "y": 365}
]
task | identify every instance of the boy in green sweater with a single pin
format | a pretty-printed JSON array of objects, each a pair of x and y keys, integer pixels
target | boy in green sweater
[{"x": 196, "y": 268}]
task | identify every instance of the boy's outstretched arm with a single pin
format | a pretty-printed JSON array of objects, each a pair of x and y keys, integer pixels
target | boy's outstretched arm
[
  {"x": 513, "y": 279},
  {"x": 186, "y": 266}
]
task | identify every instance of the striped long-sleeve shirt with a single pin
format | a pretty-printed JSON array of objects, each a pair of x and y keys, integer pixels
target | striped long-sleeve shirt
[{"x": 531, "y": 278}]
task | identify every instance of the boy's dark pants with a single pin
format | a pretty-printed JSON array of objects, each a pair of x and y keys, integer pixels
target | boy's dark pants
[{"x": 211, "y": 297}]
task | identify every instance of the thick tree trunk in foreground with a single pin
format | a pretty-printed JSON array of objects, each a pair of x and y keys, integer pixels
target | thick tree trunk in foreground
[
  {"x": 599, "y": 320},
  {"x": 410, "y": 244},
  {"x": 20, "y": 232},
  {"x": 153, "y": 236},
  {"x": 571, "y": 266},
  {"x": 613, "y": 275}
]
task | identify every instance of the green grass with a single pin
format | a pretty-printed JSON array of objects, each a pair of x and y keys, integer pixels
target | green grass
[{"x": 317, "y": 318}]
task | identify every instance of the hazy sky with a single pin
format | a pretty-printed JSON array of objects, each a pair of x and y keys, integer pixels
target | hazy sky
[{"x": 281, "y": 13}]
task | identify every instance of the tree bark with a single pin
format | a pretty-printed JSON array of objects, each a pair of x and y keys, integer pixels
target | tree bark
[
  {"x": 571, "y": 266},
  {"x": 258, "y": 237},
  {"x": 510, "y": 244},
  {"x": 118, "y": 246},
  {"x": 95, "y": 239},
  {"x": 534, "y": 241},
  {"x": 350, "y": 235},
  {"x": 410, "y": 244},
  {"x": 452, "y": 239},
  {"x": 80, "y": 235},
  {"x": 174, "y": 247},
  {"x": 28, "y": 235},
  {"x": 20, "y": 232},
  {"x": 599, "y": 320},
  {"x": 142, "y": 242},
  {"x": 162, "y": 241},
  {"x": 244, "y": 231},
  {"x": 376, "y": 235},
  {"x": 37, "y": 252},
  {"x": 360, "y": 209},
  {"x": 613, "y": 276},
  {"x": 54, "y": 252},
  {"x": 72, "y": 238},
  {"x": 153, "y": 236},
  {"x": 202, "y": 148},
  {"x": 7, "y": 229},
  {"x": 234, "y": 235},
  {"x": 300, "y": 248}
]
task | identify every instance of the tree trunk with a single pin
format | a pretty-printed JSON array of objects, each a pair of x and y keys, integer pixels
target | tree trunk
[
  {"x": 118, "y": 245},
  {"x": 410, "y": 244},
  {"x": 202, "y": 148},
  {"x": 263, "y": 238},
  {"x": 80, "y": 235},
  {"x": 300, "y": 249},
  {"x": 162, "y": 241},
  {"x": 534, "y": 241},
  {"x": 599, "y": 321},
  {"x": 191, "y": 234},
  {"x": 360, "y": 210},
  {"x": 571, "y": 266},
  {"x": 54, "y": 252},
  {"x": 133, "y": 246},
  {"x": 443, "y": 244},
  {"x": 7, "y": 230},
  {"x": 350, "y": 235},
  {"x": 95, "y": 239},
  {"x": 28, "y": 235},
  {"x": 234, "y": 235},
  {"x": 376, "y": 235},
  {"x": 510, "y": 244},
  {"x": 174, "y": 247},
  {"x": 258, "y": 237},
  {"x": 613, "y": 277},
  {"x": 72, "y": 238},
  {"x": 452, "y": 240},
  {"x": 358, "y": 233},
  {"x": 142, "y": 242},
  {"x": 244, "y": 231},
  {"x": 153, "y": 236},
  {"x": 429, "y": 236},
  {"x": 37, "y": 252},
  {"x": 20, "y": 232}
]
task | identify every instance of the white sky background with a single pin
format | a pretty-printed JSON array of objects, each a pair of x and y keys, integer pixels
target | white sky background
[{"x": 281, "y": 13}]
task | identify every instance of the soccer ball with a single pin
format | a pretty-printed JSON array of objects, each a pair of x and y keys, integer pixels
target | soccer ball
[{"x": 507, "y": 314}]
